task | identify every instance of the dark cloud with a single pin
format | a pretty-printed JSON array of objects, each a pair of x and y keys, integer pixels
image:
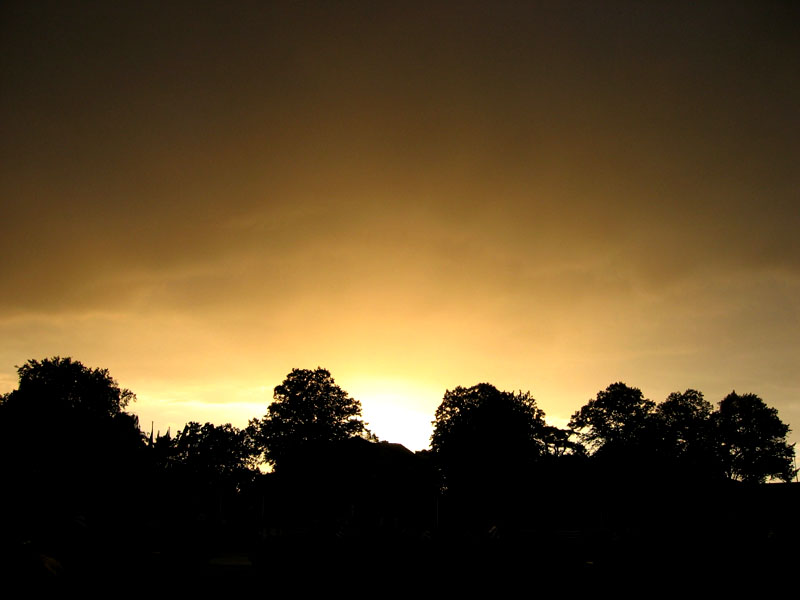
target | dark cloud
[{"x": 611, "y": 184}]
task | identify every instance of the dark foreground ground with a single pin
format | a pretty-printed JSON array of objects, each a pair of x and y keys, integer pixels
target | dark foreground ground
[
  {"x": 566, "y": 561},
  {"x": 739, "y": 538}
]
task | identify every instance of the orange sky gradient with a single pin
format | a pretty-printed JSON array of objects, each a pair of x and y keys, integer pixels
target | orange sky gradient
[{"x": 543, "y": 196}]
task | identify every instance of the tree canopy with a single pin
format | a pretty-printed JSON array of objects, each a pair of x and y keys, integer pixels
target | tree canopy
[
  {"x": 309, "y": 410},
  {"x": 62, "y": 409},
  {"x": 70, "y": 454},
  {"x": 213, "y": 451},
  {"x": 752, "y": 440},
  {"x": 68, "y": 448},
  {"x": 66, "y": 385},
  {"x": 481, "y": 427},
  {"x": 683, "y": 436},
  {"x": 615, "y": 419},
  {"x": 743, "y": 440}
]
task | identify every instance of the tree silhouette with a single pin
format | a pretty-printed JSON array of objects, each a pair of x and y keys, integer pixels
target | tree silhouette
[
  {"x": 206, "y": 475},
  {"x": 481, "y": 433},
  {"x": 615, "y": 420},
  {"x": 214, "y": 452},
  {"x": 309, "y": 410},
  {"x": 751, "y": 440},
  {"x": 558, "y": 443},
  {"x": 71, "y": 462},
  {"x": 64, "y": 413},
  {"x": 66, "y": 386},
  {"x": 682, "y": 428}
]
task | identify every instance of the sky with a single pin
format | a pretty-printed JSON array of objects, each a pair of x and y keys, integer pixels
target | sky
[{"x": 545, "y": 196}]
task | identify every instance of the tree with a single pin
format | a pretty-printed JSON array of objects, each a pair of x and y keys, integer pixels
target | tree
[
  {"x": 66, "y": 386},
  {"x": 683, "y": 417},
  {"x": 309, "y": 410},
  {"x": 481, "y": 430},
  {"x": 751, "y": 440},
  {"x": 205, "y": 471},
  {"x": 64, "y": 412},
  {"x": 682, "y": 428},
  {"x": 214, "y": 452},
  {"x": 615, "y": 419},
  {"x": 558, "y": 443},
  {"x": 68, "y": 448}
]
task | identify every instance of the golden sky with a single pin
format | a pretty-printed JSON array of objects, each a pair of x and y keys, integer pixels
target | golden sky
[{"x": 545, "y": 196}]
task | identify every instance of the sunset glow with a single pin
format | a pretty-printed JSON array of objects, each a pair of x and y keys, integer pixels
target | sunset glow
[{"x": 545, "y": 197}]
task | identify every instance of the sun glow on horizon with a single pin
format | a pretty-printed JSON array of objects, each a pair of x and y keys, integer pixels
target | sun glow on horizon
[
  {"x": 398, "y": 410},
  {"x": 526, "y": 197}
]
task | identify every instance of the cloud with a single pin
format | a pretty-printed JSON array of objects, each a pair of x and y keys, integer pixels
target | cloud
[{"x": 545, "y": 196}]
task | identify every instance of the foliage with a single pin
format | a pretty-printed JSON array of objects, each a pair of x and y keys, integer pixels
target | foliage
[
  {"x": 66, "y": 386},
  {"x": 213, "y": 451},
  {"x": 309, "y": 410},
  {"x": 76, "y": 412},
  {"x": 615, "y": 419},
  {"x": 682, "y": 427},
  {"x": 684, "y": 414},
  {"x": 752, "y": 440},
  {"x": 558, "y": 443},
  {"x": 68, "y": 448},
  {"x": 481, "y": 430},
  {"x": 743, "y": 440}
]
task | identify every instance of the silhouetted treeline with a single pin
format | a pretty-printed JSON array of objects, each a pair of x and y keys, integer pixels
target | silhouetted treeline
[{"x": 676, "y": 485}]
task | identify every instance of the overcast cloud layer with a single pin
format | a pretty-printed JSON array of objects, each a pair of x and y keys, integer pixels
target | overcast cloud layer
[{"x": 545, "y": 196}]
